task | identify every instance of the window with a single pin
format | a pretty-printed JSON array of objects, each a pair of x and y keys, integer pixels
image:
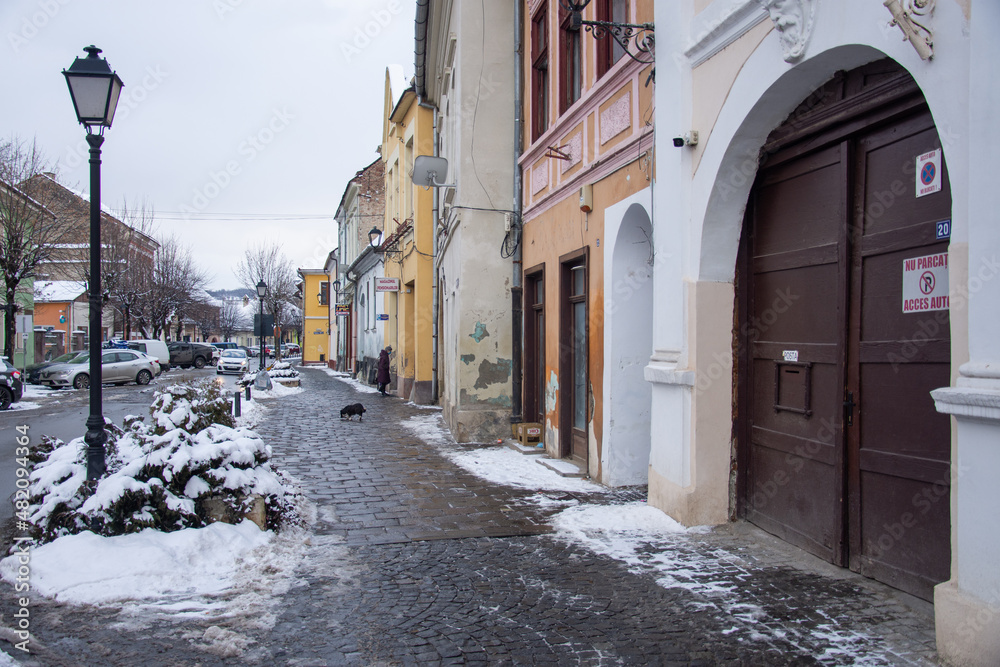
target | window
[
  {"x": 324, "y": 293},
  {"x": 609, "y": 51},
  {"x": 534, "y": 334},
  {"x": 539, "y": 72},
  {"x": 570, "y": 62}
]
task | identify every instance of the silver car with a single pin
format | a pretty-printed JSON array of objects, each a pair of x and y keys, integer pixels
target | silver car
[
  {"x": 232, "y": 361},
  {"x": 117, "y": 367}
]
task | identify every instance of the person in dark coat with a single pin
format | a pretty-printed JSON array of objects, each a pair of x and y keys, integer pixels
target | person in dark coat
[{"x": 383, "y": 369}]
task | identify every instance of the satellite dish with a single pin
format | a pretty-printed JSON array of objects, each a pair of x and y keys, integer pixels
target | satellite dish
[{"x": 430, "y": 171}]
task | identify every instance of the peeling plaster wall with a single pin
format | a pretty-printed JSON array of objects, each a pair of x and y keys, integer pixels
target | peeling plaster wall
[
  {"x": 563, "y": 229},
  {"x": 477, "y": 137}
]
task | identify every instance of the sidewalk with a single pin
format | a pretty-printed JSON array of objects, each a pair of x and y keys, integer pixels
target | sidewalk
[{"x": 411, "y": 559}]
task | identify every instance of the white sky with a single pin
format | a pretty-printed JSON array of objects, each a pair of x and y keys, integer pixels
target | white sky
[{"x": 232, "y": 110}]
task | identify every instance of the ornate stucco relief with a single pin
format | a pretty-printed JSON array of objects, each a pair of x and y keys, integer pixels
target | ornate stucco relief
[
  {"x": 616, "y": 118},
  {"x": 793, "y": 19},
  {"x": 574, "y": 149}
]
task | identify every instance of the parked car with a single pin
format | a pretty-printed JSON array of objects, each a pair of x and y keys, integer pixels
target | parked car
[
  {"x": 290, "y": 350},
  {"x": 117, "y": 367},
  {"x": 251, "y": 351},
  {"x": 34, "y": 370},
  {"x": 226, "y": 346},
  {"x": 232, "y": 361},
  {"x": 11, "y": 386},
  {"x": 187, "y": 355},
  {"x": 154, "y": 348}
]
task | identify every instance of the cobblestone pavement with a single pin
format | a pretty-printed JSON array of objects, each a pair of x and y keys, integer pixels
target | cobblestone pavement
[{"x": 411, "y": 560}]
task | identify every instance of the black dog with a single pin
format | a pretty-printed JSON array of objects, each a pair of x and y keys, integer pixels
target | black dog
[{"x": 351, "y": 410}]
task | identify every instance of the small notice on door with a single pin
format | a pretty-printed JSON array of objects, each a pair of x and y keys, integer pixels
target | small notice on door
[
  {"x": 928, "y": 173},
  {"x": 925, "y": 283}
]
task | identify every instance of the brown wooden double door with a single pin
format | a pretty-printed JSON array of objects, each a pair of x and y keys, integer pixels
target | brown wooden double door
[{"x": 842, "y": 450}]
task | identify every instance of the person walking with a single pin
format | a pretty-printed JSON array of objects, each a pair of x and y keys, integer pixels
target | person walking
[{"x": 383, "y": 369}]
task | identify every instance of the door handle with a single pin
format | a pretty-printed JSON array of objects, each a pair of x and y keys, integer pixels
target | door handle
[{"x": 849, "y": 408}]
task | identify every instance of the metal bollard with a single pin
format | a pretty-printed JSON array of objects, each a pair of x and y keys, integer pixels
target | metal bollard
[
  {"x": 237, "y": 408},
  {"x": 248, "y": 393}
]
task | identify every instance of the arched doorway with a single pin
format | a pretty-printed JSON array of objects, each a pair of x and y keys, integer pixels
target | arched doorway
[
  {"x": 628, "y": 334},
  {"x": 842, "y": 333}
]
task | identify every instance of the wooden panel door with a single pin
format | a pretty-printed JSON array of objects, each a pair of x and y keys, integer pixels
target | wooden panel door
[
  {"x": 795, "y": 342},
  {"x": 899, "y": 445},
  {"x": 845, "y": 453},
  {"x": 574, "y": 360}
]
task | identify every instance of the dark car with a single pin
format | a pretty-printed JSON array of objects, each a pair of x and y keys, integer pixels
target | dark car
[
  {"x": 33, "y": 371},
  {"x": 186, "y": 355},
  {"x": 11, "y": 387}
]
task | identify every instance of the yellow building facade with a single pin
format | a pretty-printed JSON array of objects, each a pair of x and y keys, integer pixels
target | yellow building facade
[
  {"x": 408, "y": 246},
  {"x": 315, "y": 315}
]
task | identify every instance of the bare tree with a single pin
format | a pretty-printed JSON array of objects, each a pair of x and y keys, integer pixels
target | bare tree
[
  {"x": 31, "y": 234},
  {"x": 127, "y": 259},
  {"x": 231, "y": 318},
  {"x": 266, "y": 262},
  {"x": 173, "y": 286},
  {"x": 206, "y": 316}
]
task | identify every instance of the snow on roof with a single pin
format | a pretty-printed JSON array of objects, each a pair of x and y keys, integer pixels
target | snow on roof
[
  {"x": 52, "y": 291},
  {"x": 397, "y": 82}
]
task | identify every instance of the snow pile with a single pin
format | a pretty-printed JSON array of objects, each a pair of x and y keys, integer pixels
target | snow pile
[
  {"x": 282, "y": 369},
  {"x": 166, "y": 475}
]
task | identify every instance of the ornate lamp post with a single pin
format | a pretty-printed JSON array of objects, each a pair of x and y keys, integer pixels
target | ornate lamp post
[
  {"x": 95, "y": 89},
  {"x": 261, "y": 292}
]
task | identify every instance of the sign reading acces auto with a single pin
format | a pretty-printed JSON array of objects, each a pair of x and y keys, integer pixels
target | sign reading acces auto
[
  {"x": 387, "y": 284},
  {"x": 925, "y": 283}
]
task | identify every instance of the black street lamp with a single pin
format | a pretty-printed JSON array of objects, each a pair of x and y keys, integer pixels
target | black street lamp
[
  {"x": 375, "y": 237},
  {"x": 261, "y": 292},
  {"x": 95, "y": 90}
]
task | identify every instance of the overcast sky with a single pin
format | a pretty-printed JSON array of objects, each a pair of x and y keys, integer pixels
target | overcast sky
[{"x": 241, "y": 121}]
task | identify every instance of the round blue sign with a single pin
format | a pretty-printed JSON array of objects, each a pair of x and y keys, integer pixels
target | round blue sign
[{"x": 927, "y": 173}]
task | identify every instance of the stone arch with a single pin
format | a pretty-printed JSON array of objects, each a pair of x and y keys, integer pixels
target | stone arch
[{"x": 628, "y": 313}]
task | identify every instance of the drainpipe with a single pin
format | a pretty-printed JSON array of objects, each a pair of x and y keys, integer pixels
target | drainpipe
[{"x": 517, "y": 315}]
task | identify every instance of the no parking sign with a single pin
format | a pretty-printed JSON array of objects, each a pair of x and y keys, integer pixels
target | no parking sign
[
  {"x": 928, "y": 173},
  {"x": 925, "y": 283}
]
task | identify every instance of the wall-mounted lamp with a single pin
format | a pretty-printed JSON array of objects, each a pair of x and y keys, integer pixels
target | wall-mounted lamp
[{"x": 636, "y": 39}]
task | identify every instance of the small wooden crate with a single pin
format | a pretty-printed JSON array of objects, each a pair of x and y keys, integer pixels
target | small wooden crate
[{"x": 527, "y": 433}]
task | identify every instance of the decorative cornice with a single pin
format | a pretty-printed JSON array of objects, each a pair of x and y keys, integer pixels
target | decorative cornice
[
  {"x": 717, "y": 27},
  {"x": 623, "y": 155},
  {"x": 976, "y": 394}
]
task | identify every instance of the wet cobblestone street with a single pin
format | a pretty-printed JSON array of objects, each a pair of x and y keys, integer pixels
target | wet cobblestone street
[{"x": 411, "y": 560}]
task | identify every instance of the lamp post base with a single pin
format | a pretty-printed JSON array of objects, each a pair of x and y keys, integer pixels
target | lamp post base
[{"x": 95, "y": 438}]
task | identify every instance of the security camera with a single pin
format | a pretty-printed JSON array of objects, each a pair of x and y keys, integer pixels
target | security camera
[{"x": 689, "y": 139}]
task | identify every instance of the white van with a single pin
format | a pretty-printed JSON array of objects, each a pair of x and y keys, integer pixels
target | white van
[{"x": 154, "y": 348}]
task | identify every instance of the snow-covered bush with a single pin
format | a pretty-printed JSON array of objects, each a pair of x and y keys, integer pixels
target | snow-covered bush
[
  {"x": 164, "y": 475},
  {"x": 279, "y": 370},
  {"x": 282, "y": 369}
]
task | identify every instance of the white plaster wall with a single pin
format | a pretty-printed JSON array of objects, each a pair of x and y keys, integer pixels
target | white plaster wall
[
  {"x": 963, "y": 98},
  {"x": 370, "y": 335},
  {"x": 628, "y": 340}
]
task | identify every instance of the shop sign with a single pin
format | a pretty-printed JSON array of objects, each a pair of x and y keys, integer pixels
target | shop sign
[
  {"x": 925, "y": 283},
  {"x": 387, "y": 284},
  {"x": 343, "y": 309}
]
